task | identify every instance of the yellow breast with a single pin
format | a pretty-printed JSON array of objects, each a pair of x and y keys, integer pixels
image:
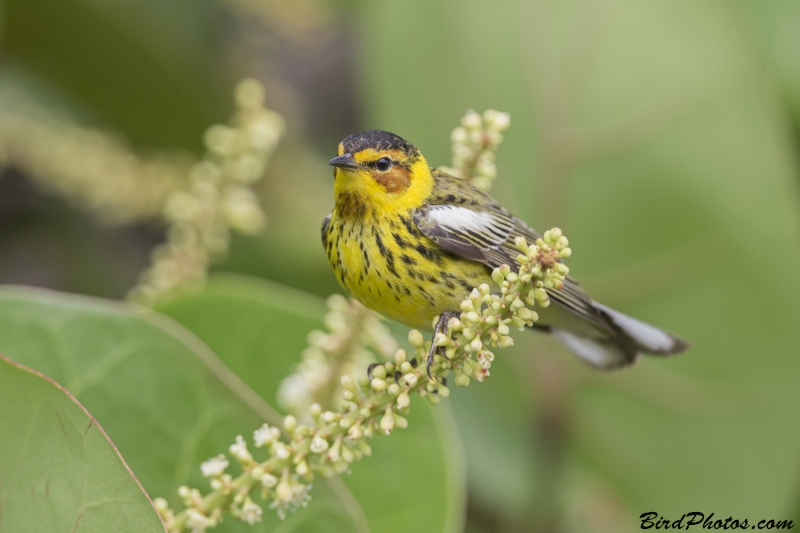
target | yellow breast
[{"x": 390, "y": 267}]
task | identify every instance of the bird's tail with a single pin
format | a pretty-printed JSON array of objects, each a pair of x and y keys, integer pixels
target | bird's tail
[{"x": 633, "y": 337}]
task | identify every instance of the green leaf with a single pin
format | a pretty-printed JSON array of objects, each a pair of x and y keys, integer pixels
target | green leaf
[
  {"x": 163, "y": 397},
  {"x": 59, "y": 471},
  {"x": 414, "y": 479}
]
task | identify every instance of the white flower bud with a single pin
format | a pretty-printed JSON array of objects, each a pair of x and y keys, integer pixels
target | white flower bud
[
  {"x": 458, "y": 135},
  {"x": 221, "y": 139},
  {"x": 472, "y": 120},
  {"x": 161, "y": 504},
  {"x": 239, "y": 450},
  {"x": 355, "y": 432},
  {"x": 302, "y": 468},
  {"x": 415, "y": 338},
  {"x": 403, "y": 400},
  {"x": 347, "y": 454},
  {"x": 462, "y": 380},
  {"x": 497, "y": 276},
  {"x": 319, "y": 445},
  {"x": 333, "y": 452},
  {"x": 251, "y": 512},
  {"x": 215, "y": 466},
  {"x": 347, "y": 382},
  {"x": 284, "y": 493},
  {"x": 282, "y": 453},
  {"x": 442, "y": 340},
  {"x": 487, "y": 169},
  {"x": 387, "y": 422},
  {"x": 268, "y": 480},
  {"x": 496, "y": 120},
  {"x": 197, "y": 521},
  {"x": 265, "y": 435}
]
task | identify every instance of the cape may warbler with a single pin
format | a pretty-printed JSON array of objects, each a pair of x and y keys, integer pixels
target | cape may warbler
[{"x": 411, "y": 242}]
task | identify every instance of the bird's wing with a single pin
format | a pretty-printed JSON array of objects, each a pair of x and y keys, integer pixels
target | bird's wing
[
  {"x": 326, "y": 223},
  {"x": 481, "y": 235},
  {"x": 485, "y": 232}
]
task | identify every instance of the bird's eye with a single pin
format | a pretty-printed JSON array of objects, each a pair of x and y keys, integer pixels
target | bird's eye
[{"x": 383, "y": 164}]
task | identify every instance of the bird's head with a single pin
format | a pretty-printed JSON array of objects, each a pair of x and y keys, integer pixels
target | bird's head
[{"x": 379, "y": 171}]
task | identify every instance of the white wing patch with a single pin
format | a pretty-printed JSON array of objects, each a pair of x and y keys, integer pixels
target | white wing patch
[{"x": 460, "y": 218}]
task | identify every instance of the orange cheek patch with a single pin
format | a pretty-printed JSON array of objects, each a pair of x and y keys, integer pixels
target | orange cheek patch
[{"x": 396, "y": 180}]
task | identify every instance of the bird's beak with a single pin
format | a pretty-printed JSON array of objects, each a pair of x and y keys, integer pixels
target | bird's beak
[{"x": 344, "y": 161}]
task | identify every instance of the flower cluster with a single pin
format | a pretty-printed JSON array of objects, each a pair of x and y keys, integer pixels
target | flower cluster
[
  {"x": 218, "y": 197},
  {"x": 474, "y": 146},
  {"x": 88, "y": 166},
  {"x": 355, "y": 336},
  {"x": 378, "y": 403}
]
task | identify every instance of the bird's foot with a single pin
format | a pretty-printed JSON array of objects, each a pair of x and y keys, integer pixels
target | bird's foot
[{"x": 441, "y": 327}]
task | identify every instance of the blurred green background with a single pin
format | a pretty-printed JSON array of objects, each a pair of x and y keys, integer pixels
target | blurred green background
[{"x": 661, "y": 136}]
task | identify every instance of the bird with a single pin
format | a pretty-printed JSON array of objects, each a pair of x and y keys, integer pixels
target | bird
[{"x": 411, "y": 242}]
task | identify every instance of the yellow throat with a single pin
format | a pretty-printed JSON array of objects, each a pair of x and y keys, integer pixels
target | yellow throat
[{"x": 358, "y": 192}]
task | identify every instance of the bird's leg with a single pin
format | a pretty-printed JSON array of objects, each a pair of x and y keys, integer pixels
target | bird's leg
[{"x": 441, "y": 327}]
